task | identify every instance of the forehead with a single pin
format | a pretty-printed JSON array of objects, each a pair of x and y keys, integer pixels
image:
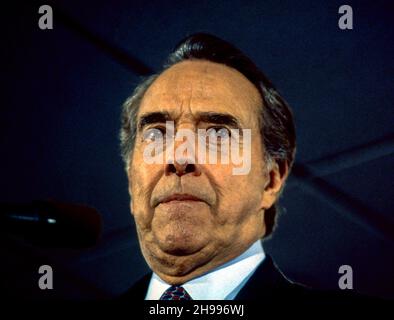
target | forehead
[{"x": 190, "y": 87}]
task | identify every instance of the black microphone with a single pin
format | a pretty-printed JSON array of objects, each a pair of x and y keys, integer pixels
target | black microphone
[{"x": 49, "y": 223}]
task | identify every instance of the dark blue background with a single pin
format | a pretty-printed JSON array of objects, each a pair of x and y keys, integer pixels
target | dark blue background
[{"x": 62, "y": 91}]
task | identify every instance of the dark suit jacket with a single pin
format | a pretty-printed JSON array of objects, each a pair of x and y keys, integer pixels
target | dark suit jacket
[{"x": 267, "y": 284}]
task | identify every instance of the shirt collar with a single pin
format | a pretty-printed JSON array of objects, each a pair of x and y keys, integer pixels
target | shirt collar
[{"x": 221, "y": 283}]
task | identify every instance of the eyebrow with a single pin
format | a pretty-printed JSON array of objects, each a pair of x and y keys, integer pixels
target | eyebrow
[
  {"x": 219, "y": 118},
  {"x": 208, "y": 117},
  {"x": 153, "y": 117}
]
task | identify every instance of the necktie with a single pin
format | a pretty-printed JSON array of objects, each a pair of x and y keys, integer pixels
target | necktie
[{"x": 175, "y": 293}]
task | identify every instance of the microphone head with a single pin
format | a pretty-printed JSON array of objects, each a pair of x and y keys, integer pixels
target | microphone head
[{"x": 50, "y": 223}]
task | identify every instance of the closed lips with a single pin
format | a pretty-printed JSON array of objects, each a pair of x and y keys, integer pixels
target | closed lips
[{"x": 181, "y": 197}]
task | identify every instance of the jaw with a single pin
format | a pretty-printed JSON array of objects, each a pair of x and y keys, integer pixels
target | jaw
[
  {"x": 176, "y": 270},
  {"x": 218, "y": 244}
]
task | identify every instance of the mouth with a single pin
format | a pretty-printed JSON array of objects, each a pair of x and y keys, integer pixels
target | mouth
[{"x": 181, "y": 197}]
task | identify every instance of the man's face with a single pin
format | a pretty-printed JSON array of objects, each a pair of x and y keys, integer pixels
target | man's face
[{"x": 182, "y": 239}]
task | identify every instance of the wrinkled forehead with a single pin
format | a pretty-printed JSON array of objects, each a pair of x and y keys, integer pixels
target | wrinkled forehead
[{"x": 190, "y": 87}]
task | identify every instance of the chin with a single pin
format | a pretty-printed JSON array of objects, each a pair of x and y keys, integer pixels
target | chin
[
  {"x": 181, "y": 244},
  {"x": 180, "y": 237}
]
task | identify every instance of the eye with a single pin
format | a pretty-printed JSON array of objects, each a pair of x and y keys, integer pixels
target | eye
[
  {"x": 219, "y": 132},
  {"x": 153, "y": 134}
]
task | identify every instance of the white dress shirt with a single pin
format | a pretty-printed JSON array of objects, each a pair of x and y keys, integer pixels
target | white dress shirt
[{"x": 222, "y": 283}]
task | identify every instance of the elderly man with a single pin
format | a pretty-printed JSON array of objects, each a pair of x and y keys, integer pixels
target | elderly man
[{"x": 199, "y": 223}]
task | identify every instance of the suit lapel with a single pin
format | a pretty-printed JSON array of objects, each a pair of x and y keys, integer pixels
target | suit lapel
[
  {"x": 266, "y": 282},
  {"x": 138, "y": 290}
]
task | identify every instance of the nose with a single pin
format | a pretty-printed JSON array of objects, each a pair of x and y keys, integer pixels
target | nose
[
  {"x": 180, "y": 169},
  {"x": 186, "y": 163}
]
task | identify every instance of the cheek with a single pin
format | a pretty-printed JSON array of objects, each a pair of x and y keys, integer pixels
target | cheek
[
  {"x": 141, "y": 180},
  {"x": 142, "y": 175},
  {"x": 240, "y": 195}
]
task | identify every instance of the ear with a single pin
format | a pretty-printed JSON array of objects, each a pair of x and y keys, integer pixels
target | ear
[{"x": 276, "y": 177}]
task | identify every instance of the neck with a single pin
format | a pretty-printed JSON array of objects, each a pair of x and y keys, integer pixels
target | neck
[{"x": 177, "y": 270}]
